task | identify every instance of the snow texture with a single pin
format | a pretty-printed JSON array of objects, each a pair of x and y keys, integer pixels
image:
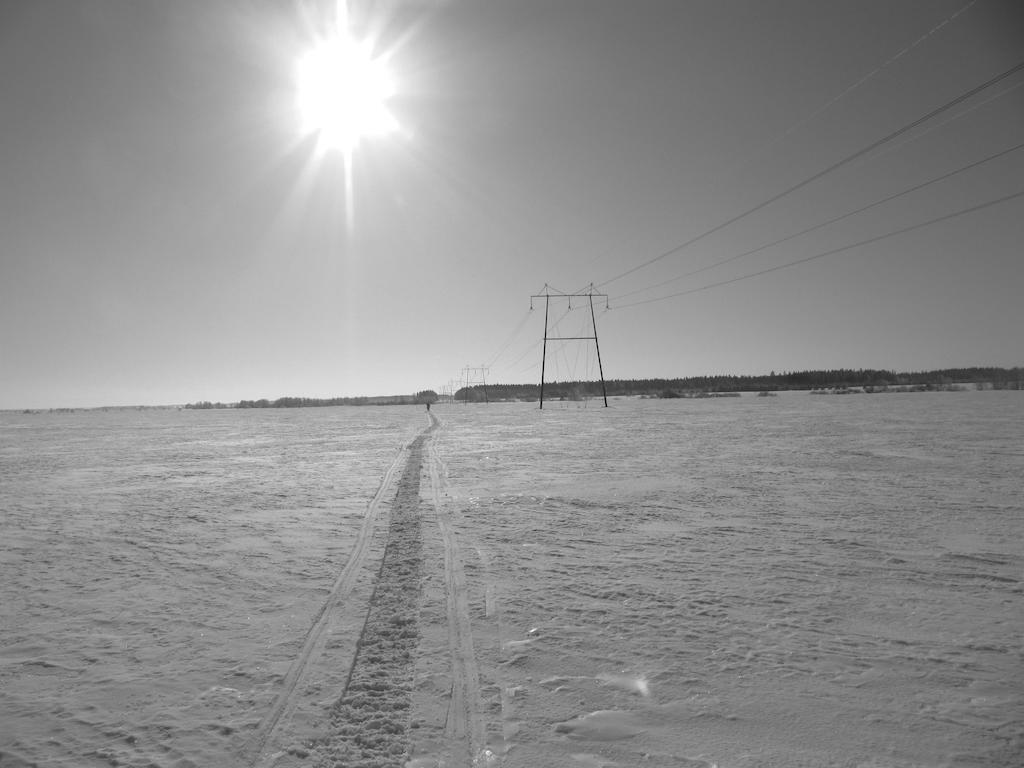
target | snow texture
[{"x": 789, "y": 581}]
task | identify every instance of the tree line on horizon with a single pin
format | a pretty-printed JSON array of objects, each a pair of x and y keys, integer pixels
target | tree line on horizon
[
  {"x": 314, "y": 402},
  {"x": 840, "y": 378}
]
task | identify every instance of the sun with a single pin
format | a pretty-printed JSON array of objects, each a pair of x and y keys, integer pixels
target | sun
[{"x": 342, "y": 94}]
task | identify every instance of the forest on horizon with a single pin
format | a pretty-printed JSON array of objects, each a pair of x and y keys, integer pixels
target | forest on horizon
[{"x": 835, "y": 379}]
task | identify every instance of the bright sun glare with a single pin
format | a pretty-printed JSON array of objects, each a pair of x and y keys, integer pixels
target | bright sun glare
[{"x": 342, "y": 94}]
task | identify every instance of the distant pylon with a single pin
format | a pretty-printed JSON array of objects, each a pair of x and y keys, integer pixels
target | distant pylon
[
  {"x": 472, "y": 377},
  {"x": 589, "y": 295}
]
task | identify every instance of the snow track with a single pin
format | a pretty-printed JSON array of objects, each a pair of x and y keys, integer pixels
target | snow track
[
  {"x": 465, "y": 721},
  {"x": 414, "y": 649},
  {"x": 369, "y": 722},
  {"x": 261, "y": 748},
  {"x": 458, "y": 733}
]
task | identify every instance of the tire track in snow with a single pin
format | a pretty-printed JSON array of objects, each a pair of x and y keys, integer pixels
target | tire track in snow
[{"x": 256, "y": 753}]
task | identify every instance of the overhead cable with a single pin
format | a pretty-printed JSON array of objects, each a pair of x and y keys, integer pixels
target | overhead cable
[
  {"x": 835, "y": 166},
  {"x": 952, "y": 118},
  {"x": 511, "y": 338},
  {"x": 535, "y": 344},
  {"x": 849, "y": 89},
  {"x": 804, "y": 260},
  {"x": 816, "y": 227}
]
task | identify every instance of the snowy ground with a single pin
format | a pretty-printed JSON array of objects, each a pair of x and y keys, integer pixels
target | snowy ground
[{"x": 790, "y": 581}]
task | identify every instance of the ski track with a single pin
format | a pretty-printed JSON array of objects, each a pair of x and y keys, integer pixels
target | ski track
[
  {"x": 453, "y": 703},
  {"x": 465, "y": 721},
  {"x": 369, "y": 724},
  {"x": 257, "y": 753}
]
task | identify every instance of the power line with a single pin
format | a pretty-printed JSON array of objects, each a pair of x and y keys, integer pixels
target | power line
[
  {"x": 804, "y": 260},
  {"x": 845, "y": 92},
  {"x": 948, "y": 120},
  {"x": 518, "y": 329},
  {"x": 519, "y": 359},
  {"x": 875, "y": 204},
  {"x": 511, "y": 338},
  {"x": 835, "y": 166},
  {"x": 534, "y": 346},
  {"x": 849, "y": 89}
]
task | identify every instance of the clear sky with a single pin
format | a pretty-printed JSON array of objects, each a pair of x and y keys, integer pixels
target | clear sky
[{"x": 168, "y": 234}]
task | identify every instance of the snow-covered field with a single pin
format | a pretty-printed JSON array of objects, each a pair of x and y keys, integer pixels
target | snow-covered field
[{"x": 787, "y": 581}]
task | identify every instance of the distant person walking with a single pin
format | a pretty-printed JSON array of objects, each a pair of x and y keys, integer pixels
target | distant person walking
[{"x": 428, "y": 406}]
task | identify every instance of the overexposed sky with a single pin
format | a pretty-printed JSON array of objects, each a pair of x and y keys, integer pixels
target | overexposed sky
[{"x": 167, "y": 234}]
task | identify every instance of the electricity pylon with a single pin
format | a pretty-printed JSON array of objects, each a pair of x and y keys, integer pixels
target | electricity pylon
[
  {"x": 472, "y": 377},
  {"x": 589, "y": 296}
]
